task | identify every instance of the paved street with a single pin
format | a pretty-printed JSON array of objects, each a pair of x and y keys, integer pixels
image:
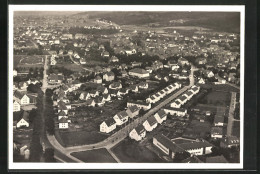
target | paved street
[
  {"x": 123, "y": 133},
  {"x": 231, "y": 113},
  {"x": 44, "y": 80}
]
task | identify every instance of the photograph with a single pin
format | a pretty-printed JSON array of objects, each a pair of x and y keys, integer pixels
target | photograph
[{"x": 126, "y": 87}]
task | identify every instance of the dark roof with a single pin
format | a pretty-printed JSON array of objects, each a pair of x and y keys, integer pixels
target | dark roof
[
  {"x": 182, "y": 98},
  {"x": 161, "y": 113},
  {"x": 139, "y": 103},
  {"x": 122, "y": 114},
  {"x": 195, "y": 145},
  {"x": 110, "y": 122},
  {"x": 89, "y": 101},
  {"x": 231, "y": 140},
  {"x": 133, "y": 108},
  {"x": 139, "y": 71},
  {"x": 217, "y": 130},
  {"x": 175, "y": 109},
  {"x": 151, "y": 120},
  {"x": 140, "y": 129},
  {"x": 63, "y": 120},
  {"x": 216, "y": 159},
  {"x": 18, "y": 94}
]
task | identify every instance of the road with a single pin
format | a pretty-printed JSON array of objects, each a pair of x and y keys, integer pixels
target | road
[
  {"x": 44, "y": 80},
  {"x": 118, "y": 136},
  {"x": 231, "y": 113}
]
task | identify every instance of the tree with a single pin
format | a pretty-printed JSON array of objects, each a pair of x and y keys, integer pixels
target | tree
[
  {"x": 34, "y": 88},
  {"x": 180, "y": 156},
  {"x": 35, "y": 149},
  {"x": 49, "y": 155},
  {"x": 32, "y": 115}
]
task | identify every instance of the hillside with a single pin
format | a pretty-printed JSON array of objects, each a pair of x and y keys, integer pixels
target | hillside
[{"x": 219, "y": 21}]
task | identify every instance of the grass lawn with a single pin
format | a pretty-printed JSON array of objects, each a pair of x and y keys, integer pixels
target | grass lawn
[
  {"x": 80, "y": 137},
  {"x": 72, "y": 67},
  {"x": 236, "y": 128},
  {"x": 131, "y": 151},
  {"x": 198, "y": 128},
  {"x": 92, "y": 156},
  {"x": 31, "y": 60}
]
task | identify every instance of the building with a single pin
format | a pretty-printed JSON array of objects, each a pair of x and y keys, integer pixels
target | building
[
  {"x": 16, "y": 106},
  {"x": 90, "y": 102},
  {"x": 181, "y": 145},
  {"x": 138, "y": 72},
  {"x": 121, "y": 118},
  {"x": 21, "y": 98},
  {"x": 160, "y": 116},
  {"x": 63, "y": 123},
  {"x": 140, "y": 105},
  {"x": 98, "y": 80},
  {"x": 84, "y": 96},
  {"x": 217, "y": 132},
  {"x": 176, "y": 104},
  {"x": 55, "y": 79},
  {"x": 108, "y": 125},
  {"x": 138, "y": 133},
  {"x": 175, "y": 111},
  {"x": 21, "y": 119},
  {"x": 218, "y": 120},
  {"x": 182, "y": 61},
  {"x": 115, "y": 85},
  {"x": 132, "y": 111},
  {"x": 109, "y": 76},
  {"x": 150, "y": 123},
  {"x": 230, "y": 141},
  {"x": 143, "y": 85}
]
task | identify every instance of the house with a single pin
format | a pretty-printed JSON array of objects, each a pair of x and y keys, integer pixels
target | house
[
  {"x": 201, "y": 61},
  {"x": 122, "y": 92},
  {"x": 124, "y": 73},
  {"x": 21, "y": 98},
  {"x": 62, "y": 107},
  {"x": 109, "y": 76},
  {"x": 99, "y": 100},
  {"x": 182, "y": 99},
  {"x": 105, "y": 54},
  {"x": 54, "y": 79},
  {"x": 62, "y": 114},
  {"x": 115, "y": 85},
  {"x": 143, "y": 85},
  {"x": 16, "y": 106},
  {"x": 102, "y": 89},
  {"x": 25, "y": 151},
  {"x": 14, "y": 73},
  {"x": 82, "y": 61},
  {"x": 140, "y": 105},
  {"x": 152, "y": 99},
  {"x": 63, "y": 123},
  {"x": 195, "y": 89},
  {"x": 160, "y": 116},
  {"x": 133, "y": 88},
  {"x": 21, "y": 119},
  {"x": 138, "y": 72},
  {"x": 138, "y": 133},
  {"x": 229, "y": 141},
  {"x": 175, "y": 111},
  {"x": 176, "y": 104},
  {"x": 216, "y": 159},
  {"x": 84, "y": 96},
  {"x": 218, "y": 120},
  {"x": 231, "y": 77},
  {"x": 216, "y": 132},
  {"x": 114, "y": 59},
  {"x": 182, "y": 61},
  {"x": 121, "y": 118},
  {"x": 90, "y": 102},
  {"x": 201, "y": 81},
  {"x": 130, "y": 51},
  {"x": 208, "y": 73},
  {"x": 132, "y": 111},
  {"x": 108, "y": 125},
  {"x": 98, "y": 79},
  {"x": 150, "y": 123},
  {"x": 106, "y": 97},
  {"x": 181, "y": 145},
  {"x": 188, "y": 94}
]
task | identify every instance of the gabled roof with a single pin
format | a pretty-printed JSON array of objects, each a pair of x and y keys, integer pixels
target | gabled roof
[
  {"x": 217, "y": 130},
  {"x": 151, "y": 120},
  {"x": 140, "y": 129},
  {"x": 21, "y": 115},
  {"x": 18, "y": 94},
  {"x": 133, "y": 108},
  {"x": 216, "y": 159},
  {"x": 122, "y": 114},
  {"x": 89, "y": 101},
  {"x": 218, "y": 119},
  {"x": 175, "y": 109},
  {"x": 168, "y": 143},
  {"x": 63, "y": 120},
  {"x": 109, "y": 122},
  {"x": 139, "y": 71},
  {"x": 182, "y": 98},
  {"x": 161, "y": 113},
  {"x": 61, "y": 113}
]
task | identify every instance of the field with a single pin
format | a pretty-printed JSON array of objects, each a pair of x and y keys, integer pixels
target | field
[
  {"x": 131, "y": 151},
  {"x": 221, "y": 87},
  {"x": 80, "y": 137},
  {"x": 92, "y": 156},
  {"x": 28, "y": 61},
  {"x": 199, "y": 128},
  {"x": 70, "y": 66}
]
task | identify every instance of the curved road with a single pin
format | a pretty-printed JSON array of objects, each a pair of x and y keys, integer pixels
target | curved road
[{"x": 122, "y": 133}]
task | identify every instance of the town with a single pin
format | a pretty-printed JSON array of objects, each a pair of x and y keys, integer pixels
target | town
[{"x": 89, "y": 89}]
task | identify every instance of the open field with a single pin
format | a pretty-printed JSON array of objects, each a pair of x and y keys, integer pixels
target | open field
[
  {"x": 80, "y": 137},
  {"x": 72, "y": 67},
  {"x": 32, "y": 60},
  {"x": 221, "y": 87},
  {"x": 131, "y": 151},
  {"x": 92, "y": 156},
  {"x": 198, "y": 128}
]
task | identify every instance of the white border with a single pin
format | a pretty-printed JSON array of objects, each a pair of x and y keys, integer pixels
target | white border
[{"x": 185, "y": 8}]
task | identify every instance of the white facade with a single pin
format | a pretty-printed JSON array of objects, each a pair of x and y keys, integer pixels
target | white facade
[
  {"x": 22, "y": 123},
  {"x": 120, "y": 121},
  {"x": 104, "y": 128},
  {"x": 63, "y": 125},
  {"x": 148, "y": 127},
  {"x": 134, "y": 135},
  {"x": 16, "y": 106}
]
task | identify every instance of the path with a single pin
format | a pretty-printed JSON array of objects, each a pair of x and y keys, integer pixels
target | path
[{"x": 231, "y": 113}]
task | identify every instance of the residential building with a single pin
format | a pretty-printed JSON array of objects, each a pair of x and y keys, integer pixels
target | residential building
[
  {"x": 21, "y": 119},
  {"x": 175, "y": 111},
  {"x": 138, "y": 72},
  {"x": 138, "y": 133},
  {"x": 230, "y": 141},
  {"x": 140, "y": 105},
  {"x": 108, "y": 125},
  {"x": 217, "y": 132},
  {"x": 150, "y": 123},
  {"x": 21, "y": 98},
  {"x": 121, "y": 118},
  {"x": 16, "y": 106},
  {"x": 160, "y": 116}
]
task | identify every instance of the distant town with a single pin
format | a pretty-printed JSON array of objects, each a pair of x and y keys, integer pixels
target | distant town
[{"x": 90, "y": 89}]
